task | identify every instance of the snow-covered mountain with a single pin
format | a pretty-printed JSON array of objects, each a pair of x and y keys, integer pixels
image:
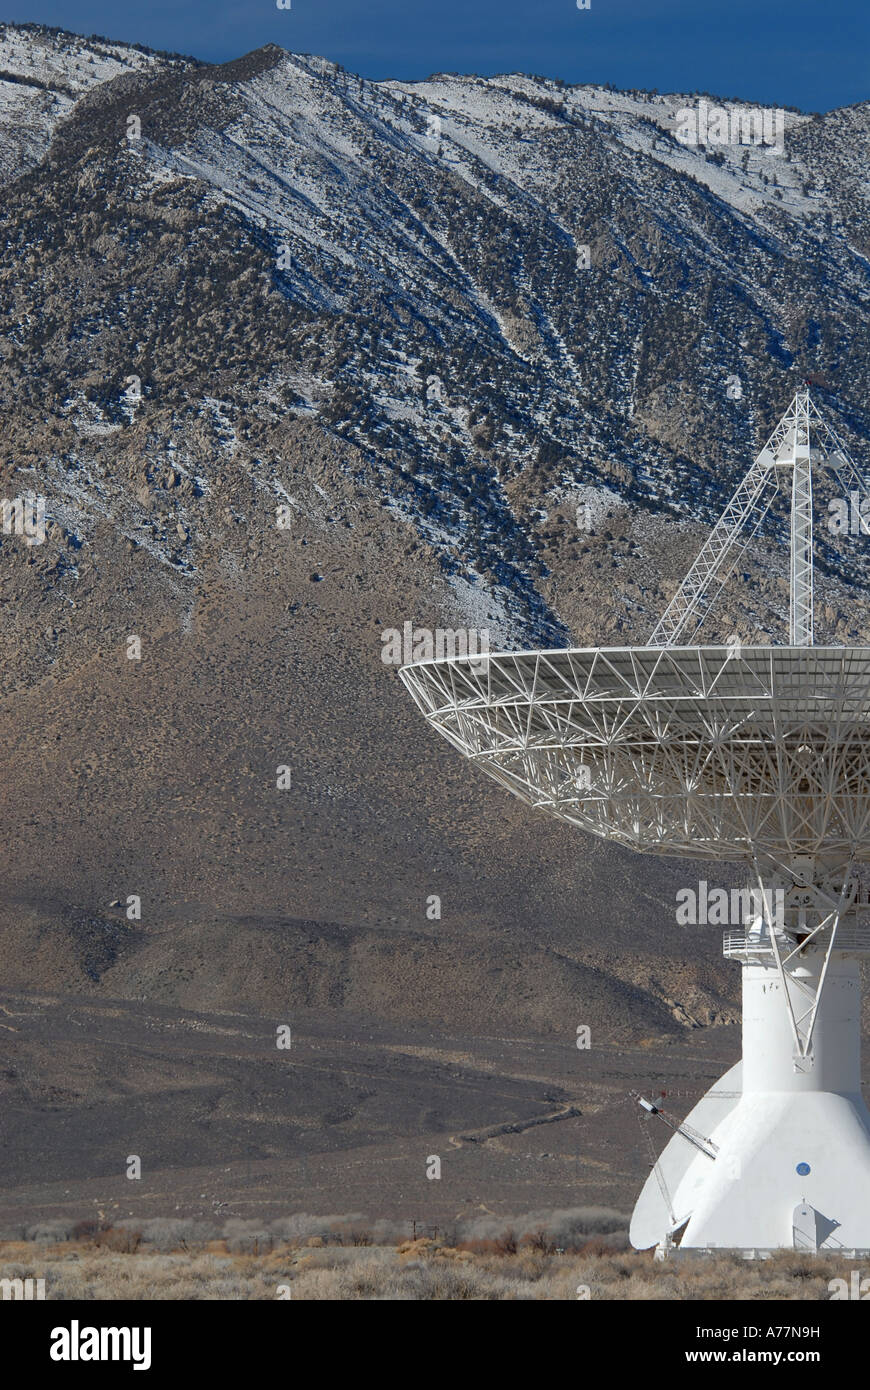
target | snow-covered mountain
[
  {"x": 501, "y": 291},
  {"x": 43, "y": 72}
]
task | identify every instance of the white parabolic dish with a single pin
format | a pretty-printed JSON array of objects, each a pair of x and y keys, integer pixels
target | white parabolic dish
[{"x": 704, "y": 752}]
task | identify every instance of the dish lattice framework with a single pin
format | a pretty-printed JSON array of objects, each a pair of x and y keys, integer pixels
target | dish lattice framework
[{"x": 701, "y": 752}]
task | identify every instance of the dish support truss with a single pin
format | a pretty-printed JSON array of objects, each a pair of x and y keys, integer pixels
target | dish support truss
[
  {"x": 818, "y": 920},
  {"x": 801, "y": 439}
]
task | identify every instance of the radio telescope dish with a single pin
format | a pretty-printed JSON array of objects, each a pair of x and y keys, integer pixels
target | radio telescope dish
[
  {"x": 758, "y": 754},
  {"x": 699, "y": 752}
]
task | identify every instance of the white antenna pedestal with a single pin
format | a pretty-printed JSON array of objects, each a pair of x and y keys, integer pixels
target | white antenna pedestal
[{"x": 792, "y": 1162}]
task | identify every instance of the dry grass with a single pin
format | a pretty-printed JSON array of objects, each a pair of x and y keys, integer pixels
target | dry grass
[{"x": 95, "y": 1268}]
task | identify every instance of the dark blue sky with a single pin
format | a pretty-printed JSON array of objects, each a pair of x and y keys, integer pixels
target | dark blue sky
[{"x": 813, "y": 54}]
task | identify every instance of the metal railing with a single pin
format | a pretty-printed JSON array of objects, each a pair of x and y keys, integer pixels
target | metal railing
[{"x": 851, "y": 936}]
